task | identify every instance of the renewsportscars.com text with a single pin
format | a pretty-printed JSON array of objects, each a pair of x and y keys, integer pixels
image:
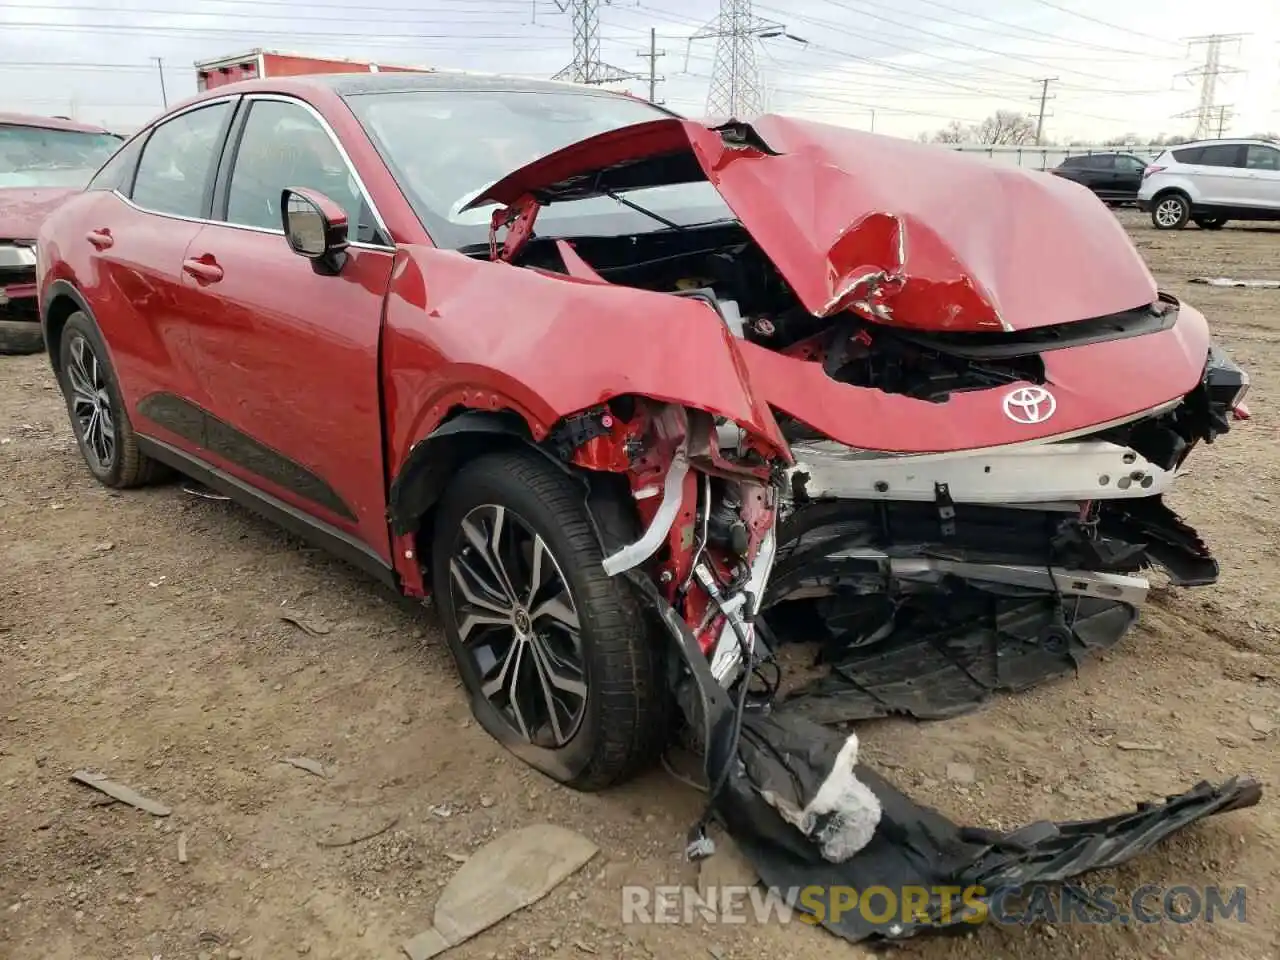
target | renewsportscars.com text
[{"x": 882, "y": 906}]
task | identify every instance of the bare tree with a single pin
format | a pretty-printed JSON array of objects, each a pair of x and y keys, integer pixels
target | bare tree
[{"x": 1004, "y": 127}]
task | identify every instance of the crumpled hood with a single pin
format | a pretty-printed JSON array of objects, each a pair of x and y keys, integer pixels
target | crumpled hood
[
  {"x": 23, "y": 209},
  {"x": 905, "y": 233}
]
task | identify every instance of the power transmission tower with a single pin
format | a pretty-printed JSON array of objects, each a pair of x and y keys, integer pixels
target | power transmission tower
[
  {"x": 652, "y": 56},
  {"x": 1209, "y": 113},
  {"x": 587, "y": 67},
  {"x": 1044, "y": 96},
  {"x": 735, "y": 89}
]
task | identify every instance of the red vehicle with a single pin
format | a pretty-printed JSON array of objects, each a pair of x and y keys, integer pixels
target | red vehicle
[
  {"x": 638, "y": 399},
  {"x": 42, "y": 160}
]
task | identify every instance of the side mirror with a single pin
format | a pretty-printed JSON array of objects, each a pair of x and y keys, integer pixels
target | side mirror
[{"x": 315, "y": 227}]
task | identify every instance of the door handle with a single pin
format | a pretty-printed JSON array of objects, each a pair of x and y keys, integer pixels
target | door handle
[
  {"x": 205, "y": 269},
  {"x": 100, "y": 238}
]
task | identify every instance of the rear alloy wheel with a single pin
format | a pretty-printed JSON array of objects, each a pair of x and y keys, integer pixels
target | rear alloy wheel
[
  {"x": 1171, "y": 212},
  {"x": 98, "y": 418},
  {"x": 1211, "y": 223},
  {"x": 20, "y": 336},
  {"x": 554, "y": 653}
]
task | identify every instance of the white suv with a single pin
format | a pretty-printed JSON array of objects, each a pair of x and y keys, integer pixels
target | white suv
[{"x": 1211, "y": 182}]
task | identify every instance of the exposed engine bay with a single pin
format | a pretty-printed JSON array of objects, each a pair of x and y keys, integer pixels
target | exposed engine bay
[{"x": 947, "y": 558}]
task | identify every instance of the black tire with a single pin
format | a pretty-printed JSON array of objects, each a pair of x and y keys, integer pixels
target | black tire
[
  {"x": 20, "y": 337},
  {"x": 125, "y": 466},
  {"x": 1211, "y": 223},
  {"x": 1170, "y": 211},
  {"x": 620, "y": 726}
]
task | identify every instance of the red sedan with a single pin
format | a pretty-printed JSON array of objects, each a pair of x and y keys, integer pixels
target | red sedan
[{"x": 635, "y": 398}]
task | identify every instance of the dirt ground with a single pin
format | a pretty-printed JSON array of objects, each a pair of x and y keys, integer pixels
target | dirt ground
[{"x": 142, "y": 636}]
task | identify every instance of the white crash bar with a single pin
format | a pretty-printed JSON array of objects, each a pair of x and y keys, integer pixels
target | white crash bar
[{"x": 1069, "y": 471}]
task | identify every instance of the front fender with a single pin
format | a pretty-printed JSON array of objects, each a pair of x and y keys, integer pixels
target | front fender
[{"x": 468, "y": 333}]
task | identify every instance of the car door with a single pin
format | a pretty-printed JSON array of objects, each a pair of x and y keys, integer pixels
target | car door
[
  {"x": 1220, "y": 175},
  {"x": 1262, "y": 164},
  {"x": 288, "y": 356},
  {"x": 1128, "y": 176},
  {"x": 147, "y": 206},
  {"x": 1101, "y": 174}
]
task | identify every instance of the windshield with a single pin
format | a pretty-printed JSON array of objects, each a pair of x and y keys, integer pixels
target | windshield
[
  {"x": 38, "y": 157},
  {"x": 446, "y": 146}
]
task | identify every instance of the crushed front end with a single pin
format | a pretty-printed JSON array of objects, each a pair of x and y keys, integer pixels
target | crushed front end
[{"x": 973, "y": 418}]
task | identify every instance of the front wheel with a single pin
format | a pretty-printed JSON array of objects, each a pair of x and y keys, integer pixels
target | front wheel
[
  {"x": 1171, "y": 212},
  {"x": 554, "y": 652}
]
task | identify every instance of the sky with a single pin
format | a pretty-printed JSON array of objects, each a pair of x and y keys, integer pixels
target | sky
[{"x": 904, "y": 68}]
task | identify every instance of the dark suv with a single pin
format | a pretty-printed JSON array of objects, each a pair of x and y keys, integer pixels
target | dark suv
[{"x": 1114, "y": 177}]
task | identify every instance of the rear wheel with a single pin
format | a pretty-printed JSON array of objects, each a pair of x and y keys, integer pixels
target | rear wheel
[
  {"x": 1171, "y": 212},
  {"x": 20, "y": 336},
  {"x": 1211, "y": 223},
  {"x": 98, "y": 417},
  {"x": 554, "y": 653}
]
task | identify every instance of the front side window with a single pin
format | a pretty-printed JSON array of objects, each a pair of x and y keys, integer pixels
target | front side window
[
  {"x": 447, "y": 146},
  {"x": 38, "y": 157},
  {"x": 283, "y": 145},
  {"x": 177, "y": 162}
]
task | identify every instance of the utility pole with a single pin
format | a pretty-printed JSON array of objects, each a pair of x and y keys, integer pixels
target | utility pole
[
  {"x": 164, "y": 97},
  {"x": 587, "y": 67},
  {"x": 1208, "y": 110},
  {"x": 1044, "y": 97},
  {"x": 1224, "y": 112},
  {"x": 735, "y": 90},
  {"x": 652, "y": 56}
]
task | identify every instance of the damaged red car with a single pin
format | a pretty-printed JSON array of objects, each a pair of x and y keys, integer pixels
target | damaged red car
[
  {"x": 42, "y": 161},
  {"x": 639, "y": 402}
]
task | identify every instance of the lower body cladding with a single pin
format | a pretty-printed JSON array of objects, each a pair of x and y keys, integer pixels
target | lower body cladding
[{"x": 922, "y": 585}]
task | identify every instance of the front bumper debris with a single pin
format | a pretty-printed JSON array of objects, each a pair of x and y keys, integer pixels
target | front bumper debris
[{"x": 916, "y": 848}]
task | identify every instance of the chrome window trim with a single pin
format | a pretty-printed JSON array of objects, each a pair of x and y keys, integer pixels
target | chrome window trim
[
  {"x": 240, "y": 226},
  {"x": 324, "y": 124}
]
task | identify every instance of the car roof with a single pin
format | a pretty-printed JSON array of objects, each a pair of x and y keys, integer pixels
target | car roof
[
  {"x": 398, "y": 81},
  {"x": 48, "y": 123},
  {"x": 1224, "y": 141}
]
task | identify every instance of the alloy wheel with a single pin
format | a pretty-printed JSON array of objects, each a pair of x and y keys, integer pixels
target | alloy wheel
[
  {"x": 518, "y": 622},
  {"x": 1169, "y": 212},
  {"x": 91, "y": 404}
]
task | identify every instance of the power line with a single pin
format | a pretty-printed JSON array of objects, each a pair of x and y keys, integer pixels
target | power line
[
  {"x": 1051, "y": 37},
  {"x": 1104, "y": 23}
]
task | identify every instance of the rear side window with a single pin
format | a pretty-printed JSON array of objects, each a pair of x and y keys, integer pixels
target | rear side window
[
  {"x": 117, "y": 173},
  {"x": 1223, "y": 155},
  {"x": 1262, "y": 158},
  {"x": 1188, "y": 154},
  {"x": 174, "y": 174},
  {"x": 1103, "y": 161}
]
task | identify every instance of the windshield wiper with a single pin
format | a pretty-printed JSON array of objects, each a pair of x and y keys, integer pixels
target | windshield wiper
[{"x": 639, "y": 209}]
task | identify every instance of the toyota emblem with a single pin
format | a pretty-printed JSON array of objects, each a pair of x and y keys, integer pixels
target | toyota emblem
[{"x": 1029, "y": 405}]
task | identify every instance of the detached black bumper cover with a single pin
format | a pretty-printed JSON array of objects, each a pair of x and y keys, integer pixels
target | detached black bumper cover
[{"x": 915, "y": 846}]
